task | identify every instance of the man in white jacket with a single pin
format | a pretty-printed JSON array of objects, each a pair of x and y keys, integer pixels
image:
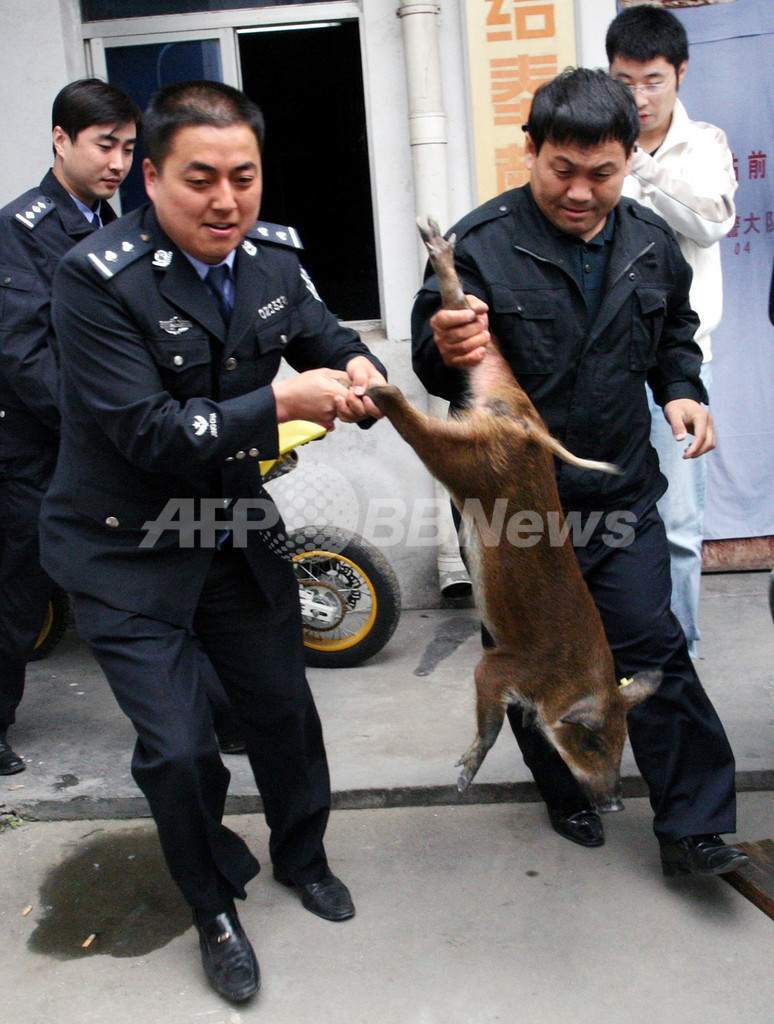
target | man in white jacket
[{"x": 684, "y": 171}]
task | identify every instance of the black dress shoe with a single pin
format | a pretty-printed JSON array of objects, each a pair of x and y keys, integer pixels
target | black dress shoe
[
  {"x": 700, "y": 855},
  {"x": 583, "y": 827},
  {"x": 10, "y": 762},
  {"x": 227, "y": 956},
  {"x": 328, "y": 898}
]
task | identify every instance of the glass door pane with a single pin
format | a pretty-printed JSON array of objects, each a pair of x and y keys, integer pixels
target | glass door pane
[{"x": 143, "y": 69}]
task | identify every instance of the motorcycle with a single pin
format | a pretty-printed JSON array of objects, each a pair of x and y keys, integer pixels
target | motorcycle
[{"x": 349, "y": 594}]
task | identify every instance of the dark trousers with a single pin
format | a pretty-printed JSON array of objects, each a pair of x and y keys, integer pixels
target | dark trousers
[
  {"x": 25, "y": 589},
  {"x": 678, "y": 741},
  {"x": 158, "y": 675}
]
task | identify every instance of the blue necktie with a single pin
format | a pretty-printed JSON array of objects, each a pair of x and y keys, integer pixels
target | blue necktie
[{"x": 218, "y": 280}]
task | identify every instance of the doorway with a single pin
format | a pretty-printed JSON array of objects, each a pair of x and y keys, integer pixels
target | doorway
[{"x": 308, "y": 81}]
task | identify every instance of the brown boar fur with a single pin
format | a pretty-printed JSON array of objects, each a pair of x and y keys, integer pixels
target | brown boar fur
[{"x": 550, "y": 654}]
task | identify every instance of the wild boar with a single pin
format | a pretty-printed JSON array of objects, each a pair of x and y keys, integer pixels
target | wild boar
[{"x": 550, "y": 653}]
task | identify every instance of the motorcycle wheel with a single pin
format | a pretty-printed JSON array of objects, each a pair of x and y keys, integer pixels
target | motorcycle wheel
[
  {"x": 54, "y": 625},
  {"x": 350, "y": 596}
]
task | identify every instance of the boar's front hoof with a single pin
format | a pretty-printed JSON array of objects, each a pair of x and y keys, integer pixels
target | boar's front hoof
[
  {"x": 385, "y": 396},
  {"x": 464, "y": 780},
  {"x": 615, "y": 803}
]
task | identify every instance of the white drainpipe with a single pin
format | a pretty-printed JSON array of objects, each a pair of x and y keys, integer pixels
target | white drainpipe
[{"x": 427, "y": 134}]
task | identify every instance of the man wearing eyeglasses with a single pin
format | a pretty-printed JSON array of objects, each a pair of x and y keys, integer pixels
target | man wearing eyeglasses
[{"x": 684, "y": 171}]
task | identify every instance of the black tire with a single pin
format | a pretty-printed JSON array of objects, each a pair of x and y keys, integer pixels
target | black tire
[
  {"x": 55, "y": 625},
  {"x": 356, "y": 590}
]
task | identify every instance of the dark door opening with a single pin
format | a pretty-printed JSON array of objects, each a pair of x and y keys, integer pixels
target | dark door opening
[{"x": 309, "y": 84}]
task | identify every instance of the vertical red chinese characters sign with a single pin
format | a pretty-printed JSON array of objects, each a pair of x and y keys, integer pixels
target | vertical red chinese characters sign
[{"x": 513, "y": 47}]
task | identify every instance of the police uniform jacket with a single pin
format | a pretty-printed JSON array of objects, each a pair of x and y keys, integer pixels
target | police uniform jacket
[
  {"x": 585, "y": 378},
  {"x": 167, "y": 413},
  {"x": 36, "y": 230}
]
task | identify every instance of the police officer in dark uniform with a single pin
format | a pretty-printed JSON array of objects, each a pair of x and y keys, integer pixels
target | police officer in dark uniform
[
  {"x": 587, "y": 295},
  {"x": 171, "y": 325},
  {"x": 94, "y": 131}
]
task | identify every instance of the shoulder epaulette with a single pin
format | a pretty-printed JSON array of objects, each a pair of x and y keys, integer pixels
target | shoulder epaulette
[
  {"x": 493, "y": 209},
  {"x": 645, "y": 213},
  {"x": 111, "y": 259},
  {"x": 262, "y": 231},
  {"x": 34, "y": 211}
]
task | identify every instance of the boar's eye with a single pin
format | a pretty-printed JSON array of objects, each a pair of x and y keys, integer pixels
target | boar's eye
[{"x": 593, "y": 742}]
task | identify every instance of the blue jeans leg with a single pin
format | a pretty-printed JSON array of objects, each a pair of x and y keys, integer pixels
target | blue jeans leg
[{"x": 682, "y": 510}]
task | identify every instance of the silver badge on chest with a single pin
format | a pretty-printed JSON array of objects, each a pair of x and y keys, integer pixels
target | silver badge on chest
[{"x": 175, "y": 325}]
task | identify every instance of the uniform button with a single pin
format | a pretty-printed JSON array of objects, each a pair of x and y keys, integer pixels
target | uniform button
[
  {"x": 503, "y": 209},
  {"x": 178, "y": 360},
  {"x": 2, "y": 413},
  {"x": 111, "y": 521},
  {"x": 6, "y": 280},
  {"x": 253, "y": 453},
  {"x": 240, "y": 455},
  {"x": 283, "y": 339},
  {"x": 230, "y": 363},
  {"x": 229, "y": 458},
  {"x": 632, "y": 276},
  {"x": 587, "y": 269}
]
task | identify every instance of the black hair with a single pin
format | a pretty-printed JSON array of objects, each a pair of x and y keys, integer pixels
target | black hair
[
  {"x": 90, "y": 101},
  {"x": 187, "y": 104},
  {"x": 585, "y": 107},
  {"x": 644, "y": 33}
]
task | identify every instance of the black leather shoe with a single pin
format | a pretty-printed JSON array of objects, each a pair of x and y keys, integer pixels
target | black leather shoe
[
  {"x": 227, "y": 956},
  {"x": 700, "y": 855},
  {"x": 328, "y": 898},
  {"x": 10, "y": 762},
  {"x": 583, "y": 827}
]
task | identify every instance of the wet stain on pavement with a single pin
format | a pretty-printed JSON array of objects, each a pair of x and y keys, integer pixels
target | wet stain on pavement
[
  {"x": 448, "y": 636},
  {"x": 65, "y": 781},
  {"x": 113, "y": 895}
]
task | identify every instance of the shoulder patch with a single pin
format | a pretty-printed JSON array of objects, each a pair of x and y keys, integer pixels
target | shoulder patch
[
  {"x": 112, "y": 259},
  {"x": 34, "y": 211},
  {"x": 262, "y": 231}
]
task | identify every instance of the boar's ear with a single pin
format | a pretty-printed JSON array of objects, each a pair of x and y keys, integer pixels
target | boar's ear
[
  {"x": 641, "y": 685},
  {"x": 586, "y": 712}
]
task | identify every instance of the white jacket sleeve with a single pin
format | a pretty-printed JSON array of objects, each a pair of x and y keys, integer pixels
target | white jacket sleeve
[{"x": 693, "y": 190}]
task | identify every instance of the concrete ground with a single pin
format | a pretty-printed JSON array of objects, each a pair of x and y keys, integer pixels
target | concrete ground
[{"x": 468, "y": 911}]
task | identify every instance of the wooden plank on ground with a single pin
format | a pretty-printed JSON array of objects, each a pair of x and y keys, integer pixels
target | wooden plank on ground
[
  {"x": 756, "y": 881},
  {"x": 739, "y": 555}
]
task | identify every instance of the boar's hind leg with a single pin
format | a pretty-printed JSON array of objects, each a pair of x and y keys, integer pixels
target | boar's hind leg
[{"x": 490, "y": 710}]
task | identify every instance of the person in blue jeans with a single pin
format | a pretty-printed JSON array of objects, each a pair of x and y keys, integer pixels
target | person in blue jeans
[{"x": 683, "y": 170}]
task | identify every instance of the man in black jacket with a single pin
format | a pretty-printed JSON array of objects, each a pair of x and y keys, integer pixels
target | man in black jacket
[
  {"x": 94, "y": 131},
  {"x": 171, "y": 326},
  {"x": 587, "y": 295}
]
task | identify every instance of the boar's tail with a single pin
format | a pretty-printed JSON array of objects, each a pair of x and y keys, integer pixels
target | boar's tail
[{"x": 543, "y": 438}]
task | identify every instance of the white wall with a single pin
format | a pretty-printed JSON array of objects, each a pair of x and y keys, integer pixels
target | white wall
[
  {"x": 591, "y": 20},
  {"x": 39, "y": 53}
]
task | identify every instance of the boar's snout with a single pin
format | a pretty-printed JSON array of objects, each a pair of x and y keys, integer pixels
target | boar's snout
[{"x": 590, "y": 736}]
